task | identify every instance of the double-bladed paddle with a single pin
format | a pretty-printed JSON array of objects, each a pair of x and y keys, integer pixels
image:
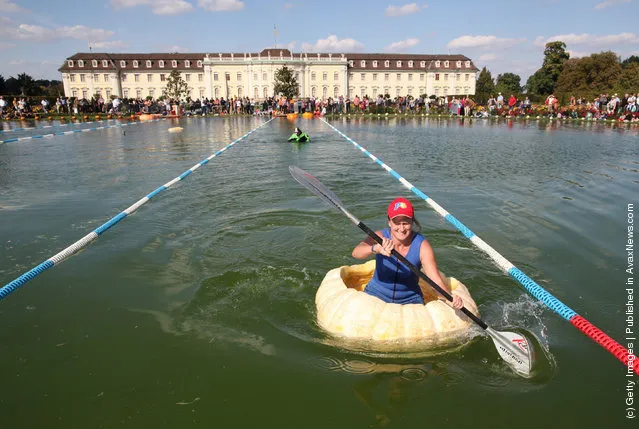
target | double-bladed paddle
[{"x": 512, "y": 347}]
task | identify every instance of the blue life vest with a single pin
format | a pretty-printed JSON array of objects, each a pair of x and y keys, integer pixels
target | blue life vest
[{"x": 393, "y": 281}]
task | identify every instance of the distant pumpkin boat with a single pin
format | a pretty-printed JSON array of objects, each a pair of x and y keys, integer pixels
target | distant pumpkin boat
[{"x": 345, "y": 311}]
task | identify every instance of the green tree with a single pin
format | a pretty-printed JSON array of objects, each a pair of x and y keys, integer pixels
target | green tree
[
  {"x": 629, "y": 79},
  {"x": 176, "y": 87},
  {"x": 26, "y": 84},
  {"x": 3, "y": 86},
  {"x": 590, "y": 76},
  {"x": 633, "y": 59},
  {"x": 484, "y": 87},
  {"x": 286, "y": 83},
  {"x": 508, "y": 83},
  {"x": 543, "y": 80}
]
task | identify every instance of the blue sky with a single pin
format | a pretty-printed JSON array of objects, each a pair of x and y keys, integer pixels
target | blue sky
[{"x": 503, "y": 35}]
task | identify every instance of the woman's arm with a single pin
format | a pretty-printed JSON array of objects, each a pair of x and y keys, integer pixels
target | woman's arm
[
  {"x": 370, "y": 247},
  {"x": 429, "y": 267}
]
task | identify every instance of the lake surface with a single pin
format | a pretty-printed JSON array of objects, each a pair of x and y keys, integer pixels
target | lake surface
[{"x": 198, "y": 310}]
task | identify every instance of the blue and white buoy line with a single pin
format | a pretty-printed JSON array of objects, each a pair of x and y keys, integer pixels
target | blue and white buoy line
[
  {"x": 600, "y": 337},
  {"x": 64, "y": 254},
  {"x": 83, "y": 130},
  {"x": 15, "y": 130}
]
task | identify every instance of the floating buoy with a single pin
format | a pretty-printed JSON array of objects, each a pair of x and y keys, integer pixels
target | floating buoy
[
  {"x": 176, "y": 129},
  {"x": 86, "y": 117},
  {"x": 307, "y": 115}
]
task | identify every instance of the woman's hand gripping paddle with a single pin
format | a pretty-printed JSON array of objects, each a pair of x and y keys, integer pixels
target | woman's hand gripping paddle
[{"x": 512, "y": 347}]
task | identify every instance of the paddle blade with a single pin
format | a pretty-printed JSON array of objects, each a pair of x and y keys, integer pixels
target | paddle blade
[
  {"x": 315, "y": 186},
  {"x": 514, "y": 349}
]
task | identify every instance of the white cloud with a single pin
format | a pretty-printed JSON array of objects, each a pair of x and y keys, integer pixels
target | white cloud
[
  {"x": 7, "y": 6},
  {"x": 116, "y": 44},
  {"x": 5, "y": 45},
  {"x": 612, "y": 40},
  {"x": 487, "y": 57},
  {"x": 36, "y": 33},
  {"x": 158, "y": 7},
  {"x": 333, "y": 44},
  {"x": 483, "y": 42},
  {"x": 221, "y": 5},
  {"x": 577, "y": 54},
  {"x": 174, "y": 48},
  {"x": 407, "y": 9},
  {"x": 401, "y": 45},
  {"x": 607, "y": 3},
  {"x": 291, "y": 46},
  {"x": 289, "y": 6}
]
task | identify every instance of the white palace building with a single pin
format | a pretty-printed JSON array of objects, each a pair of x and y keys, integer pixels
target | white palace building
[{"x": 229, "y": 75}]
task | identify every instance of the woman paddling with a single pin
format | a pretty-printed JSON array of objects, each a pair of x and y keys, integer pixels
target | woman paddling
[{"x": 393, "y": 281}]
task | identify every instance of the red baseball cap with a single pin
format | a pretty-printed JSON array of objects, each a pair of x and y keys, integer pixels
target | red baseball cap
[{"x": 400, "y": 207}]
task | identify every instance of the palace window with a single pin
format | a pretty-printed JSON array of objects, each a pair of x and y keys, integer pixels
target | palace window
[
  {"x": 335, "y": 76},
  {"x": 239, "y": 77},
  {"x": 123, "y": 77},
  {"x": 136, "y": 78},
  {"x": 467, "y": 63},
  {"x": 187, "y": 64},
  {"x": 199, "y": 63},
  {"x": 264, "y": 77},
  {"x": 74, "y": 93},
  {"x": 438, "y": 63},
  {"x": 162, "y": 78},
  {"x": 148, "y": 64},
  {"x": 138, "y": 93},
  {"x": 421, "y": 77},
  {"x": 200, "y": 77},
  {"x": 84, "y": 93},
  {"x": 215, "y": 76},
  {"x": 149, "y": 77},
  {"x": 72, "y": 77},
  {"x": 386, "y": 76},
  {"x": 174, "y": 63},
  {"x": 467, "y": 76},
  {"x": 410, "y": 76},
  {"x": 336, "y": 92},
  {"x": 161, "y": 64},
  {"x": 106, "y": 77},
  {"x": 125, "y": 93},
  {"x": 151, "y": 91},
  {"x": 122, "y": 63},
  {"x": 96, "y": 77},
  {"x": 363, "y": 63},
  {"x": 70, "y": 63},
  {"x": 362, "y": 76},
  {"x": 324, "y": 76},
  {"x": 313, "y": 76},
  {"x": 399, "y": 77},
  {"x": 82, "y": 78},
  {"x": 94, "y": 63},
  {"x": 458, "y": 76},
  {"x": 187, "y": 77},
  {"x": 445, "y": 76},
  {"x": 446, "y": 63},
  {"x": 135, "y": 63},
  {"x": 422, "y": 63},
  {"x": 105, "y": 63},
  {"x": 80, "y": 63},
  {"x": 374, "y": 76},
  {"x": 436, "y": 76},
  {"x": 458, "y": 65},
  {"x": 375, "y": 64},
  {"x": 386, "y": 63},
  {"x": 410, "y": 64},
  {"x": 399, "y": 63},
  {"x": 254, "y": 76}
]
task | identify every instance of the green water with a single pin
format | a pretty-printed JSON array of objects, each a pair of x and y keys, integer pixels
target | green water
[{"x": 198, "y": 310}]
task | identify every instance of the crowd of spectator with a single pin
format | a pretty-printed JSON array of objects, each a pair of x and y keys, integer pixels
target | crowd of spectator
[{"x": 624, "y": 108}]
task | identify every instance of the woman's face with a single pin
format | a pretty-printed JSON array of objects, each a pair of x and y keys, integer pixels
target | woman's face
[{"x": 401, "y": 228}]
